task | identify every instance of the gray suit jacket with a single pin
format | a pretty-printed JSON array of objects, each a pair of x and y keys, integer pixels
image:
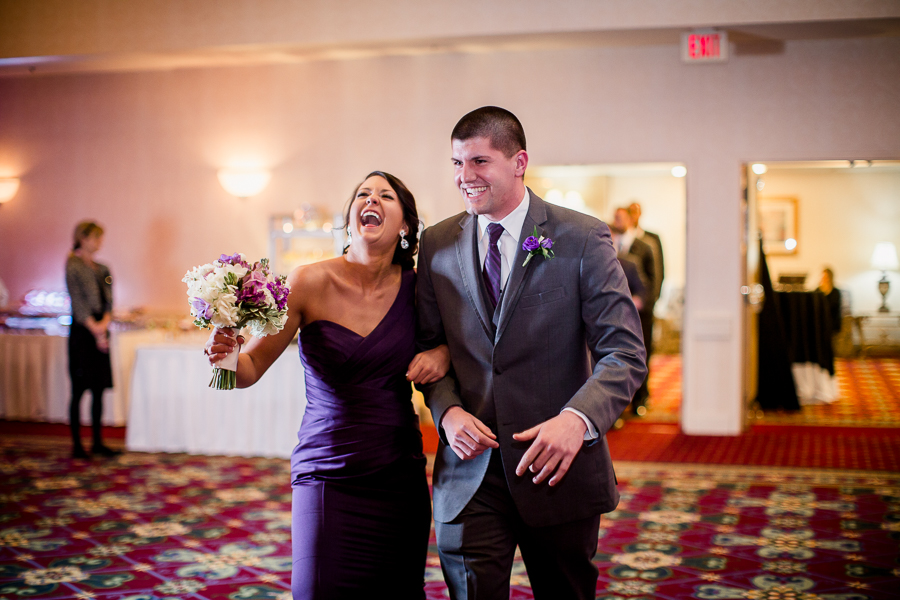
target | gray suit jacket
[{"x": 565, "y": 334}]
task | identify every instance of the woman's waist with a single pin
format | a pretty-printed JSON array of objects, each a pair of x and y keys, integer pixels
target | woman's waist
[
  {"x": 352, "y": 450},
  {"x": 377, "y": 407}
]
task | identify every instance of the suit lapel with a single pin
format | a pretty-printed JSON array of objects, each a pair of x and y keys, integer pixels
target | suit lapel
[
  {"x": 537, "y": 216},
  {"x": 467, "y": 255}
]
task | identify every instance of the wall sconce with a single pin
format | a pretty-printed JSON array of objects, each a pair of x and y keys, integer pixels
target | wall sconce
[
  {"x": 8, "y": 188},
  {"x": 884, "y": 259},
  {"x": 244, "y": 183}
]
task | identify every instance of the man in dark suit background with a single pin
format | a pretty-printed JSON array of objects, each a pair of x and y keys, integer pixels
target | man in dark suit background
[
  {"x": 651, "y": 239},
  {"x": 522, "y": 415},
  {"x": 631, "y": 248}
]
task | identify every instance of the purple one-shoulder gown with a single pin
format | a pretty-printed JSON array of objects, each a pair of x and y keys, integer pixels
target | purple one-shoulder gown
[{"x": 361, "y": 509}]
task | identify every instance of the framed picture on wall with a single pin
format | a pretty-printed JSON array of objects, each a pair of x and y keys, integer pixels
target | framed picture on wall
[{"x": 778, "y": 225}]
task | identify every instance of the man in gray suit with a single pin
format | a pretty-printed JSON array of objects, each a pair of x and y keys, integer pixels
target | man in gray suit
[{"x": 545, "y": 357}]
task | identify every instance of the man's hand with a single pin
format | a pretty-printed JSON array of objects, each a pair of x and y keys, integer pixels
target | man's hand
[
  {"x": 468, "y": 437},
  {"x": 556, "y": 443}
]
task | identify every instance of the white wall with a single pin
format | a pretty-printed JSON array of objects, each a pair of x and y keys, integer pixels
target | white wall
[
  {"x": 139, "y": 153},
  {"x": 842, "y": 214}
]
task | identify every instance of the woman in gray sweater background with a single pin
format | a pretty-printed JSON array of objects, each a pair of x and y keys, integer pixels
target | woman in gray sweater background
[{"x": 90, "y": 288}]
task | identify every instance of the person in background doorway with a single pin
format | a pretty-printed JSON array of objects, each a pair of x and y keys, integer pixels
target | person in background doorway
[
  {"x": 651, "y": 239},
  {"x": 826, "y": 286},
  {"x": 90, "y": 288}
]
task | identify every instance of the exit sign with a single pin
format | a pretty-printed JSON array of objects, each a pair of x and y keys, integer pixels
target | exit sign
[{"x": 704, "y": 46}]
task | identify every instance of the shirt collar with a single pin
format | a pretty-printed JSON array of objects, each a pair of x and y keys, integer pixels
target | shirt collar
[{"x": 512, "y": 223}]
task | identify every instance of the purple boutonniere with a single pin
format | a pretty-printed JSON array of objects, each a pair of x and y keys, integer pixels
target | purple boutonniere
[{"x": 537, "y": 246}]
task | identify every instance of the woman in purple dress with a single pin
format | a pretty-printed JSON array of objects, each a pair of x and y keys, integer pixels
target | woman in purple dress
[{"x": 361, "y": 509}]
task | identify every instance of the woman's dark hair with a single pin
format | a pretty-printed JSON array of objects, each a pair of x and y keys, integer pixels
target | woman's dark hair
[
  {"x": 402, "y": 257},
  {"x": 83, "y": 231}
]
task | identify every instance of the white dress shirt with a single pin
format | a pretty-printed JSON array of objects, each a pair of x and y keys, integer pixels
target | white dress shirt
[
  {"x": 509, "y": 240},
  {"x": 509, "y": 245}
]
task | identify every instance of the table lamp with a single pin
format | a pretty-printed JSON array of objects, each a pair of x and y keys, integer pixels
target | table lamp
[{"x": 884, "y": 259}]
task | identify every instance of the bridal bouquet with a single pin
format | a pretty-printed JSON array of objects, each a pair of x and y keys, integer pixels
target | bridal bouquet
[{"x": 230, "y": 293}]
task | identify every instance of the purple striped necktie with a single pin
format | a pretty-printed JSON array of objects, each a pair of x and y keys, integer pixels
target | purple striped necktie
[{"x": 491, "y": 272}]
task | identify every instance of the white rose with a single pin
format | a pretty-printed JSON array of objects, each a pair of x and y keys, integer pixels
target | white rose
[{"x": 226, "y": 311}]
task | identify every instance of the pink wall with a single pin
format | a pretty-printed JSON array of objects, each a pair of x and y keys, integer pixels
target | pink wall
[{"x": 139, "y": 152}]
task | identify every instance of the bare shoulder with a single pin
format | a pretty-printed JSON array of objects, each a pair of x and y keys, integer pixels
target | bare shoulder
[{"x": 313, "y": 276}]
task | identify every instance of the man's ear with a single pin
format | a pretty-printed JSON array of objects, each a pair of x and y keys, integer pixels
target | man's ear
[{"x": 521, "y": 163}]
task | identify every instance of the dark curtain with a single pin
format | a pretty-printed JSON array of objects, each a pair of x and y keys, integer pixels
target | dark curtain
[{"x": 775, "y": 386}]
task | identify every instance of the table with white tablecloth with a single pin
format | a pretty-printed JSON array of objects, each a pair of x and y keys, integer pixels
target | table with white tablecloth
[
  {"x": 34, "y": 376},
  {"x": 172, "y": 409}
]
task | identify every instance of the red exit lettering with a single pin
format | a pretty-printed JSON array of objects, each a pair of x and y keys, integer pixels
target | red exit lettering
[{"x": 703, "y": 46}]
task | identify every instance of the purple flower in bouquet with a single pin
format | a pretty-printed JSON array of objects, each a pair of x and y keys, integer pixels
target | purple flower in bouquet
[
  {"x": 202, "y": 308},
  {"x": 234, "y": 259},
  {"x": 547, "y": 243},
  {"x": 253, "y": 288},
  {"x": 280, "y": 292}
]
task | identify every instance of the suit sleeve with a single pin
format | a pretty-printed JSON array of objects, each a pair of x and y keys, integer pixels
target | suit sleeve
[
  {"x": 444, "y": 393},
  {"x": 613, "y": 334}
]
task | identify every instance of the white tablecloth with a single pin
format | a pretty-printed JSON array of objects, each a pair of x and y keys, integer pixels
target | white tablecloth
[
  {"x": 174, "y": 410},
  {"x": 34, "y": 374},
  {"x": 34, "y": 379},
  {"x": 814, "y": 384}
]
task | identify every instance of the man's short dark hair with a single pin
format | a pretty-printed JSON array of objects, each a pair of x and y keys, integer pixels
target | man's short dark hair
[{"x": 496, "y": 124}]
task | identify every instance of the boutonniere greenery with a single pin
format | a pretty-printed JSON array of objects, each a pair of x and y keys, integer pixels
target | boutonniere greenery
[{"x": 537, "y": 246}]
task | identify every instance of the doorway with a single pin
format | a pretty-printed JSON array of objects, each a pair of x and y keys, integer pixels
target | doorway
[{"x": 830, "y": 224}]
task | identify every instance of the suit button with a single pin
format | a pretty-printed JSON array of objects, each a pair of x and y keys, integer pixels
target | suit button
[{"x": 497, "y": 370}]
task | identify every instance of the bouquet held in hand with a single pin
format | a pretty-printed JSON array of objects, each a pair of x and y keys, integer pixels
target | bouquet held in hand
[{"x": 229, "y": 293}]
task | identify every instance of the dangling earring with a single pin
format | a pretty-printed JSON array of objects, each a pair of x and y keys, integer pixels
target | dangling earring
[
  {"x": 403, "y": 243},
  {"x": 349, "y": 240}
]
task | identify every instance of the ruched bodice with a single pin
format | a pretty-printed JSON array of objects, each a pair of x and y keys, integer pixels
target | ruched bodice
[{"x": 359, "y": 417}]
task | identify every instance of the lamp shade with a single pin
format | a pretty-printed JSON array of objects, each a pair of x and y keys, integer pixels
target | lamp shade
[
  {"x": 885, "y": 257},
  {"x": 8, "y": 188},
  {"x": 244, "y": 183}
]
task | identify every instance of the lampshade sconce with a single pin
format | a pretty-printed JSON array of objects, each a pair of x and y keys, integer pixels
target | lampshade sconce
[
  {"x": 244, "y": 183},
  {"x": 8, "y": 188},
  {"x": 884, "y": 259}
]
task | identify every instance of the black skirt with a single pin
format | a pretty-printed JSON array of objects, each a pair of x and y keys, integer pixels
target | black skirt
[{"x": 89, "y": 368}]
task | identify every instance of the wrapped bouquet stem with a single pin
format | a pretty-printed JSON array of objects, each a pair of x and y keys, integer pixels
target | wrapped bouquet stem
[
  {"x": 230, "y": 293},
  {"x": 224, "y": 375}
]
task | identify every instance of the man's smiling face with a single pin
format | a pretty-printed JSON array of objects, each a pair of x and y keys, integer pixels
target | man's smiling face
[{"x": 490, "y": 182}]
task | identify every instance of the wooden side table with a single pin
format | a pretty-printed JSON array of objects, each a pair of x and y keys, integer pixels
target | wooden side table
[{"x": 878, "y": 333}]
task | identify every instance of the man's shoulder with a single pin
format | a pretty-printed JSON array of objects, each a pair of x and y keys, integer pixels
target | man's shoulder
[
  {"x": 571, "y": 221},
  {"x": 650, "y": 235},
  {"x": 449, "y": 227},
  {"x": 639, "y": 246}
]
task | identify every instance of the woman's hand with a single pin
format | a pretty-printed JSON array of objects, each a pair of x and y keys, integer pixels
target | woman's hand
[
  {"x": 429, "y": 366},
  {"x": 220, "y": 344},
  {"x": 100, "y": 331}
]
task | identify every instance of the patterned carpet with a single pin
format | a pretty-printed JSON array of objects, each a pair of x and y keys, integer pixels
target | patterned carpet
[
  {"x": 869, "y": 395},
  {"x": 163, "y": 526}
]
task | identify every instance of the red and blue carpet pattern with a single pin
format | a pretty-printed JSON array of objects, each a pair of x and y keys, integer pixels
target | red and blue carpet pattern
[
  {"x": 163, "y": 526},
  {"x": 869, "y": 395}
]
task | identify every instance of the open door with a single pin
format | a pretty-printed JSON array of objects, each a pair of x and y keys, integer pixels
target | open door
[{"x": 751, "y": 290}]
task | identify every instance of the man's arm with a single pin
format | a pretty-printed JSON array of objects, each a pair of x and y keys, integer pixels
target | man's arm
[
  {"x": 467, "y": 436},
  {"x": 613, "y": 332}
]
